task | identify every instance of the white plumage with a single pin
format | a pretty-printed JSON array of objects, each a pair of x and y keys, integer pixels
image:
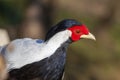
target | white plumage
[
  {"x": 25, "y": 51},
  {"x": 20, "y": 52}
]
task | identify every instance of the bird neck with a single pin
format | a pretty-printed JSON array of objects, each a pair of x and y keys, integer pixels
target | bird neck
[
  {"x": 59, "y": 38},
  {"x": 54, "y": 43}
]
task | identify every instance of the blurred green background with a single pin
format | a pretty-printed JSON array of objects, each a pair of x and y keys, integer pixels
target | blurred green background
[{"x": 86, "y": 60}]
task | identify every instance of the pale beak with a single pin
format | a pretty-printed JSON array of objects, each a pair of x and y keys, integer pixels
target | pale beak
[{"x": 89, "y": 36}]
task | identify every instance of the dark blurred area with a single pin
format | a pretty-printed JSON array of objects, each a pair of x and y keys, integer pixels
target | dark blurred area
[{"x": 86, "y": 60}]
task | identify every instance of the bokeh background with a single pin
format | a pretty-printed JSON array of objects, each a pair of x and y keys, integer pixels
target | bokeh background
[{"x": 86, "y": 60}]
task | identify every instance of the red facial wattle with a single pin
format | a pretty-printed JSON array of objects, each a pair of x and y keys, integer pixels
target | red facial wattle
[{"x": 77, "y": 31}]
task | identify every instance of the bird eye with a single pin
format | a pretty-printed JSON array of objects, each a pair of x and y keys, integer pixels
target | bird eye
[{"x": 77, "y": 31}]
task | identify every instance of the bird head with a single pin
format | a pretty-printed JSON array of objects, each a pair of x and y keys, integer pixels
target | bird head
[{"x": 78, "y": 30}]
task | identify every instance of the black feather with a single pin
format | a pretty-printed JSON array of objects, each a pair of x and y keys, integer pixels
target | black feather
[
  {"x": 50, "y": 68},
  {"x": 61, "y": 26}
]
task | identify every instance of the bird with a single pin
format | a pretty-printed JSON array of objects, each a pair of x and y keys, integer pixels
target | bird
[{"x": 37, "y": 59}]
